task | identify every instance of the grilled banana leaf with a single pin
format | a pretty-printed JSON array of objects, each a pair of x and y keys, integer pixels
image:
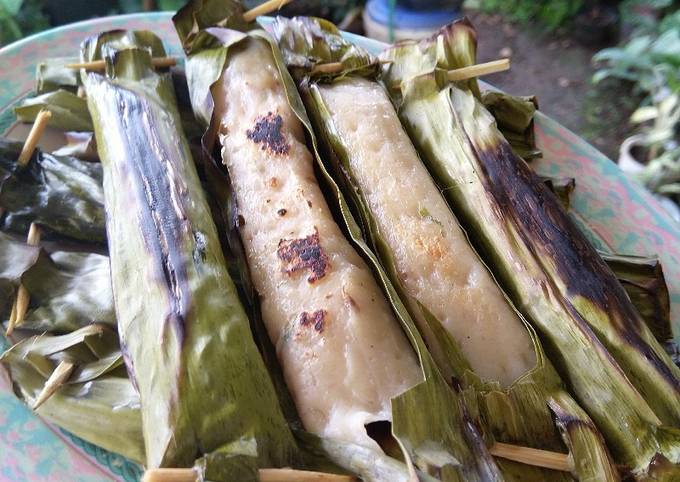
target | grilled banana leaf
[
  {"x": 62, "y": 194},
  {"x": 603, "y": 349},
  {"x": 515, "y": 119},
  {"x": 97, "y": 403},
  {"x": 69, "y": 112},
  {"x": 439, "y": 439},
  {"x": 516, "y": 409},
  {"x": 642, "y": 278},
  {"x": 184, "y": 334}
]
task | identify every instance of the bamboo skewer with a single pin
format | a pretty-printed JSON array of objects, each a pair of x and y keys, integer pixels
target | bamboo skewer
[
  {"x": 34, "y": 136},
  {"x": 525, "y": 455},
  {"x": 100, "y": 65},
  {"x": 264, "y": 9},
  {"x": 23, "y": 298},
  {"x": 463, "y": 73},
  {"x": 531, "y": 456},
  {"x": 56, "y": 380},
  {"x": 266, "y": 475},
  {"x": 477, "y": 70}
]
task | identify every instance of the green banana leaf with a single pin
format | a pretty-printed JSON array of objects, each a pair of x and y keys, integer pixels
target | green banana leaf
[
  {"x": 611, "y": 361},
  {"x": 518, "y": 414},
  {"x": 52, "y": 74},
  {"x": 98, "y": 403},
  {"x": 644, "y": 282},
  {"x": 69, "y": 112},
  {"x": 183, "y": 330},
  {"x": 62, "y": 194},
  {"x": 16, "y": 257},
  {"x": 69, "y": 290},
  {"x": 439, "y": 439},
  {"x": 515, "y": 119}
]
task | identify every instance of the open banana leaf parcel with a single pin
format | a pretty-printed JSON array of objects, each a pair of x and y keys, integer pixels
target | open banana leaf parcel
[
  {"x": 610, "y": 359},
  {"x": 184, "y": 335},
  {"x": 62, "y": 194},
  {"x": 430, "y": 421},
  {"x": 478, "y": 339}
]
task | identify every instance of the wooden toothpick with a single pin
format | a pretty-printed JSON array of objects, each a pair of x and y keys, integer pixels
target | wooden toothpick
[
  {"x": 478, "y": 70},
  {"x": 531, "y": 456},
  {"x": 264, "y": 9},
  {"x": 23, "y": 298},
  {"x": 265, "y": 475},
  {"x": 34, "y": 136},
  {"x": 100, "y": 65},
  {"x": 56, "y": 380}
]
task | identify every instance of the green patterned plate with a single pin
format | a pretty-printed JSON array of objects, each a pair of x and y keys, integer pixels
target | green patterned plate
[{"x": 617, "y": 214}]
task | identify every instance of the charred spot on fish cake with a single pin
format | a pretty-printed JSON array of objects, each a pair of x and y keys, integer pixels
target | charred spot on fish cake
[
  {"x": 315, "y": 319},
  {"x": 267, "y": 132},
  {"x": 304, "y": 253}
]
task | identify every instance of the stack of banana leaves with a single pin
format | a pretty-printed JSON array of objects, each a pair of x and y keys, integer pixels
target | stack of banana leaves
[
  {"x": 364, "y": 332},
  {"x": 610, "y": 359}
]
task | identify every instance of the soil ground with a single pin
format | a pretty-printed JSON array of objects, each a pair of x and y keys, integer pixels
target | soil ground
[{"x": 557, "y": 69}]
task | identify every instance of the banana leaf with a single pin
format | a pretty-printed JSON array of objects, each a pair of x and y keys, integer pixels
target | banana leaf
[
  {"x": 184, "y": 333},
  {"x": 98, "y": 403},
  {"x": 609, "y": 358},
  {"x": 16, "y": 257},
  {"x": 52, "y": 74},
  {"x": 62, "y": 194},
  {"x": 69, "y": 290},
  {"x": 644, "y": 282},
  {"x": 79, "y": 144},
  {"x": 439, "y": 439},
  {"x": 69, "y": 112},
  {"x": 561, "y": 187},
  {"x": 518, "y": 414},
  {"x": 515, "y": 119}
]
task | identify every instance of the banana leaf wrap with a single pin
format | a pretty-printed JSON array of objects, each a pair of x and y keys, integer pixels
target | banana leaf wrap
[
  {"x": 611, "y": 361},
  {"x": 69, "y": 290},
  {"x": 642, "y": 278},
  {"x": 439, "y": 440},
  {"x": 184, "y": 334},
  {"x": 62, "y": 194},
  {"x": 98, "y": 403},
  {"x": 53, "y": 74},
  {"x": 518, "y": 414},
  {"x": 69, "y": 112},
  {"x": 515, "y": 119},
  {"x": 16, "y": 257}
]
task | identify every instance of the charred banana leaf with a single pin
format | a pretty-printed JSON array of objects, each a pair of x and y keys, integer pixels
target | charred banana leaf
[
  {"x": 511, "y": 382},
  {"x": 515, "y": 118},
  {"x": 62, "y": 194},
  {"x": 184, "y": 334},
  {"x": 440, "y": 439},
  {"x": 97, "y": 402},
  {"x": 643, "y": 280},
  {"x": 613, "y": 364}
]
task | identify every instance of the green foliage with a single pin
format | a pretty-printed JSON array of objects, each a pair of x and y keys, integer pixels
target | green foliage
[
  {"x": 19, "y": 18},
  {"x": 551, "y": 13},
  {"x": 650, "y": 61}
]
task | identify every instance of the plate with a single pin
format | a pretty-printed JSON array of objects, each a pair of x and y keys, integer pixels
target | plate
[{"x": 617, "y": 214}]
